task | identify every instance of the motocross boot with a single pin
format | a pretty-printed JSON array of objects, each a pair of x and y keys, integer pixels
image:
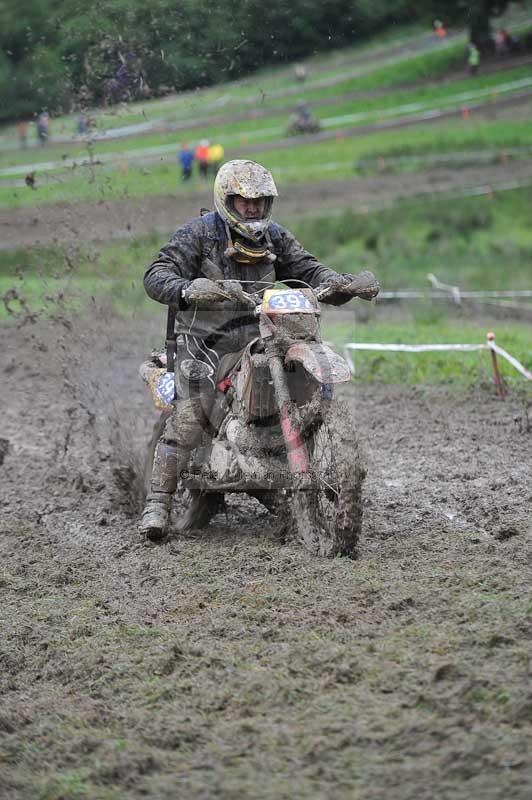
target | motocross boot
[
  {"x": 156, "y": 515},
  {"x": 167, "y": 461}
]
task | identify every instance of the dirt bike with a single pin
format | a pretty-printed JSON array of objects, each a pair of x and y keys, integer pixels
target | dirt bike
[
  {"x": 300, "y": 126},
  {"x": 276, "y": 432}
]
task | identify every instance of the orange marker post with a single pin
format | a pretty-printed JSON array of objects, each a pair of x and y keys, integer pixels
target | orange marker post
[{"x": 496, "y": 374}]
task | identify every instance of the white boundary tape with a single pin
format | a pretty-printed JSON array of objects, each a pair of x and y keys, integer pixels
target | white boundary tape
[
  {"x": 513, "y": 361},
  {"x": 424, "y": 348},
  {"x": 407, "y": 294},
  {"x": 444, "y": 291}
]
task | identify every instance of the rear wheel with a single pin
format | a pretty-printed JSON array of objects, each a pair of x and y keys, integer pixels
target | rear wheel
[{"x": 328, "y": 509}]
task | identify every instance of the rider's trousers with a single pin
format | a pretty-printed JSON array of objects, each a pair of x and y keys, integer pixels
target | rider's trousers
[
  {"x": 186, "y": 424},
  {"x": 182, "y": 434}
]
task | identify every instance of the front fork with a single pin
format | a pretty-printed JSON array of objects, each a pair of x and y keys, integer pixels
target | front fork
[{"x": 298, "y": 460}]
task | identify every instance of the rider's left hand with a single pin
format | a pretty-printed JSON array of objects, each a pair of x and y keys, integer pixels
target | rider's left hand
[
  {"x": 345, "y": 287},
  {"x": 364, "y": 285}
]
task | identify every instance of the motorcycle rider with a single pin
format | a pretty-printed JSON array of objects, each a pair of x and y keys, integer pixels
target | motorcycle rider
[{"x": 239, "y": 244}]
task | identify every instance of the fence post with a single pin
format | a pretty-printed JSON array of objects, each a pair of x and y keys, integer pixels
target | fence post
[{"x": 496, "y": 374}]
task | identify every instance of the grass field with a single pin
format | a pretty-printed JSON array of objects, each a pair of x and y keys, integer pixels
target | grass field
[
  {"x": 403, "y": 74},
  {"x": 266, "y": 83},
  {"x": 308, "y": 162}
]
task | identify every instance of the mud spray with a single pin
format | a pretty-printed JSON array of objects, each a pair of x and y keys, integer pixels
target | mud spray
[{"x": 75, "y": 376}]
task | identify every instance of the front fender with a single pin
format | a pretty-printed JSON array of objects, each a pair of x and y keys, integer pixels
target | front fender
[{"x": 320, "y": 361}]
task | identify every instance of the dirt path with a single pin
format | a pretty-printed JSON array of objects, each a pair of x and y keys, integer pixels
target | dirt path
[
  {"x": 229, "y": 665},
  {"x": 81, "y": 222}
]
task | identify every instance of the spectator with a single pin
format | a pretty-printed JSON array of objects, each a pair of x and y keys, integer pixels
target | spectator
[
  {"x": 22, "y": 134},
  {"x": 202, "y": 157},
  {"x": 439, "y": 29},
  {"x": 43, "y": 128},
  {"x": 215, "y": 156},
  {"x": 501, "y": 42},
  {"x": 81, "y": 124},
  {"x": 474, "y": 59},
  {"x": 185, "y": 157},
  {"x": 300, "y": 72}
]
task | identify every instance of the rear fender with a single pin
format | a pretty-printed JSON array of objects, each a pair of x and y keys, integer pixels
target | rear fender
[{"x": 320, "y": 361}]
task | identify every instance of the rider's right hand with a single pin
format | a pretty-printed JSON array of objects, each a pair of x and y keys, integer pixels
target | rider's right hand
[{"x": 203, "y": 292}]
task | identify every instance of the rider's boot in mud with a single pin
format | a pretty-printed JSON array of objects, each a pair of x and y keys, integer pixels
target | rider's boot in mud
[{"x": 156, "y": 516}]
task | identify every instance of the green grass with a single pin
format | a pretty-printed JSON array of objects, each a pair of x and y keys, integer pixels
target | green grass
[
  {"x": 52, "y": 280},
  {"x": 378, "y": 70},
  {"x": 475, "y": 242},
  {"x": 307, "y": 162},
  {"x": 428, "y": 325}
]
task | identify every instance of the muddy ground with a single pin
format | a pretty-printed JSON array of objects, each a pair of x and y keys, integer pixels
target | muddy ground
[{"x": 226, "y": 665}]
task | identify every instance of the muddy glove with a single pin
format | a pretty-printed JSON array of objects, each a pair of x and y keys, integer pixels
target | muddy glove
[
  {"x": 204, "y": 293},
  {"x": 237, "y": 293},
  {"x": 364, "y": 285},
  {"x": 344, "y": 287}
]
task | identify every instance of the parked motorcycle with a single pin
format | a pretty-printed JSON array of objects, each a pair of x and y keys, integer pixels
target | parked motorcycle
[{"x": 275, "y": 430}]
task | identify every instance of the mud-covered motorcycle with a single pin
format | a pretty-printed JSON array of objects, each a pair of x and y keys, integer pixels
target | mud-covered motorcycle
[{"x": 275, "y": 430}]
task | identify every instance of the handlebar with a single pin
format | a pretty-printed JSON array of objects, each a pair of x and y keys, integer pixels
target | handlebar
[{"x": 363, "y": 285}]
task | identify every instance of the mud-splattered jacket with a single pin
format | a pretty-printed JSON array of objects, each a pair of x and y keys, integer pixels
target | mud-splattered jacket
[{"x": 196, "y": 250}]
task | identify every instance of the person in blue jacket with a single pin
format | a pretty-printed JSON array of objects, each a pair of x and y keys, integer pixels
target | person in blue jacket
[{"x": 185, "y": 157}]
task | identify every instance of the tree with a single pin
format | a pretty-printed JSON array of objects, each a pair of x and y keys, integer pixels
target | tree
[{"x": 63, "y": 54}]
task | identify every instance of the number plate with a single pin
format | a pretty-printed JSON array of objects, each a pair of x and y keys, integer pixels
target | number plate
[
  {"x": 287, "y": 301},
  {"x": 165, "y": 388}
]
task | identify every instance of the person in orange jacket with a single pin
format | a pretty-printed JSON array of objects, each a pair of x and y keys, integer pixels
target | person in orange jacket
[{"x": 201, "y": 154}]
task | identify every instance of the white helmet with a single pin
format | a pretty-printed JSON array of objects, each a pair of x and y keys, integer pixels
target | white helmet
[{"x": 247, "y": 179}]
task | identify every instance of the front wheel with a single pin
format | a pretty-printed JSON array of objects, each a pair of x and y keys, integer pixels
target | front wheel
[{"x": 328, "y": 509}]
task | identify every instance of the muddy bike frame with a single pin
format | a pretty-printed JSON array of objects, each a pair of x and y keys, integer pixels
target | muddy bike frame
[{"x": 297, "y": 454}]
